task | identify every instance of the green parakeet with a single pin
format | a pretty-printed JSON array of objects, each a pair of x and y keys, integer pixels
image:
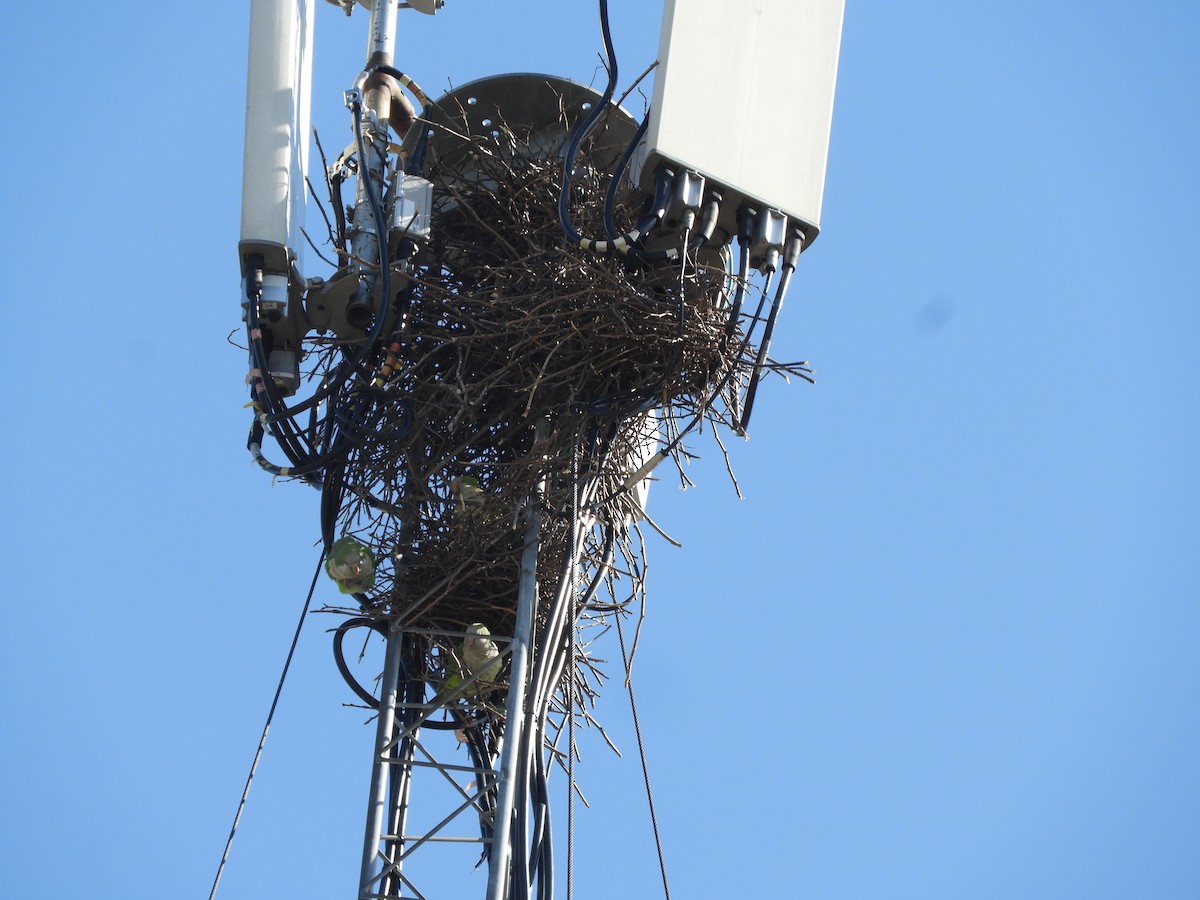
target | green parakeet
[
  {"x": 452, "y": 683},
  {"x": 352, "y": 565},
  {"x": 467, "y": 492},
  {"x": 481, "y": 655},
  {"x": 477, "y": 655}
]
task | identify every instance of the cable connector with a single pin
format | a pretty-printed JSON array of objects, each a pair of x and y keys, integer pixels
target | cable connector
[
  {"x": 769, "y": 230},
  {"x": 284, "y": 368},
  {"x": 664, "y": 182},
  {"x": 252, "y": 275},
  {"x": 708, "y": 220},
  {"x": 687, "y": 193},
  {"x": 746, "y": 216},
  {"x": 791, "y": 250},
  {"x": 271, "y": 292}
]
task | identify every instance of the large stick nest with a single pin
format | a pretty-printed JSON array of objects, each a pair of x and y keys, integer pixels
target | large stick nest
[{"x": 521, "y": 357}]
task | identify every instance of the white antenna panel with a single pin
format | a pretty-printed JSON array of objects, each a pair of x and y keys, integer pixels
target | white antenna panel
[
  {"x": 277, "y": 126},
  {"x": 744, "y": 96}
]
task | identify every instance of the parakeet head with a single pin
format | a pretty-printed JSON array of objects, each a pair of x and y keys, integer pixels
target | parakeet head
[
  {"x": 476, "y": 632},
  {"x": 465, "y": 486},
  {"x": 351, "y": 564},
  {"x": 480, "y": 654}
]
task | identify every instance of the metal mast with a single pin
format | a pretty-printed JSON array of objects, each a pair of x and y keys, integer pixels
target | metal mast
[
  {"x": 495, "y": 368},
  {"x": 400, "y": 752}
]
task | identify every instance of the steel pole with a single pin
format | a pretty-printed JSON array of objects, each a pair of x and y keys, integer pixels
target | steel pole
[
  {"x": 384, "y": 734},
  {"x": 381, "y": 42},
  {"x": 376, "y": 99},
  {"x": 514, "y": 713},
  {"x": 400, "y": 771}
]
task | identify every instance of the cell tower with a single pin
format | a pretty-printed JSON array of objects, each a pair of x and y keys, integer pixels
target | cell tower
[{"x": 532, "y": 300}]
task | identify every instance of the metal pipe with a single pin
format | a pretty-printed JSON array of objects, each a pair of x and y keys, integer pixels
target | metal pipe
[
  {"x": 376, "y": 101},
  {"x": 381, "y": 48},
  {"x": 514, "y": 713},
  {"x": 400, "y": 773},
  {"x": 385, "y": 725}
]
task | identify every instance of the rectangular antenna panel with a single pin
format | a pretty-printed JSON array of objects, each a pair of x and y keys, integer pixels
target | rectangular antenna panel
[
  {"x": 278, "y": 90},
  {"x": 744, "y": 96}
]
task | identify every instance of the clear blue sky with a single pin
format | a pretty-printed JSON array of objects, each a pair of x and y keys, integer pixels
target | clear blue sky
[{"x": 945, "y": 648}]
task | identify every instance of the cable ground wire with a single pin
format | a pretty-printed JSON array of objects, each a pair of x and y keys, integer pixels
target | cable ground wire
[
  {"x": 637, "y": 730},
  {"x": 267, "y": 727}
]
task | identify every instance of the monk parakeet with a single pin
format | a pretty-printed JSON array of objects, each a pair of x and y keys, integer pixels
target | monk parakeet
[
  {"x": 467, "y": 491},
  {"x": 352, "y": 565},
  {"x": 454, "y": 680},
  {"x": 477, "y": 655},
  {"x": 480, "y": 654}
]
